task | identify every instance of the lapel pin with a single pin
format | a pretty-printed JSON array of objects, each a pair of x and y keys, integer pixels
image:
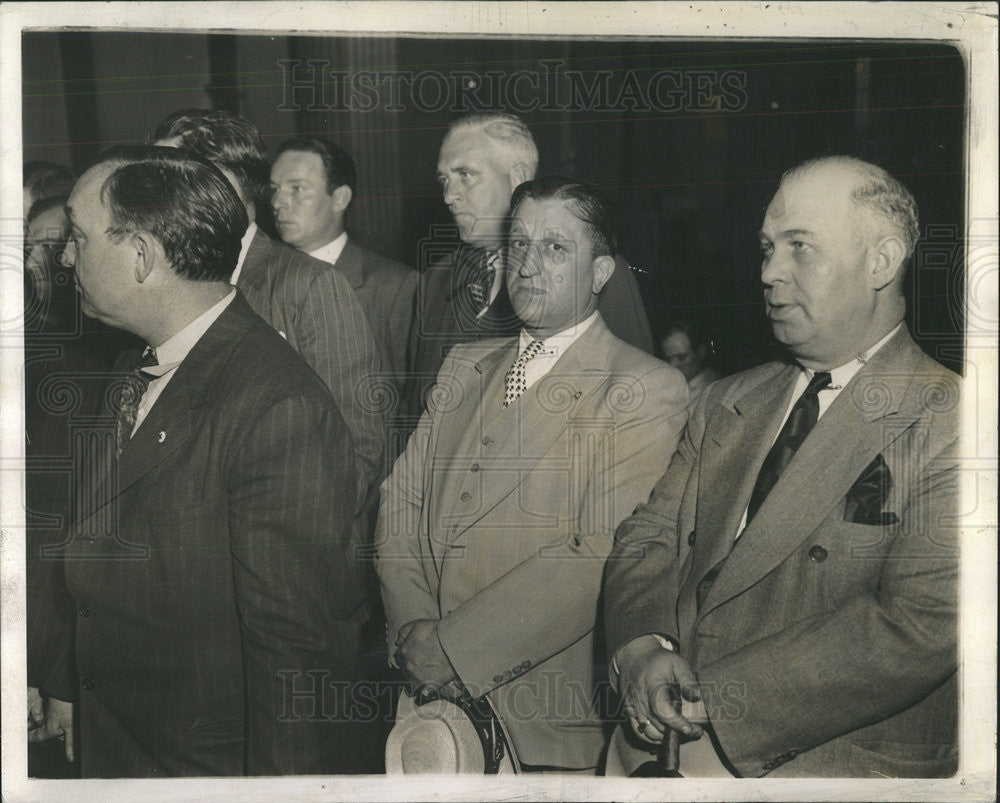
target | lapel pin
[{"x": 161, "y": 437}]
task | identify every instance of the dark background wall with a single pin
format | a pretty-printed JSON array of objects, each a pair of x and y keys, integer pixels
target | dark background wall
[{"x": 692, "y": 137}]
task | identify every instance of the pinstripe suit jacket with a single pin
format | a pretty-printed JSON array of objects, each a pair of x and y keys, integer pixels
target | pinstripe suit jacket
[
  {"x": 497, "y": 522},
  {"x": 315, "y": 310},
  {"x": 212, "y": 572},
  {"x": 826, "y": 646},
  {"x": 386, "y": 290}
]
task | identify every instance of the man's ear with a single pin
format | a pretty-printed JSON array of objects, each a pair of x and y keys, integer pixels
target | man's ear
[
  {"x": 518, "y": 174},
  {"x": 603, "y": 268},
  {"x": 147, "y": 253},
  {"x": 342, "y": 198},
  {"x": 886, "y": 260}
]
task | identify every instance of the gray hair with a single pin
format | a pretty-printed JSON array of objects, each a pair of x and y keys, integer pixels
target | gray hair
[{"x": 508, "y": 130}]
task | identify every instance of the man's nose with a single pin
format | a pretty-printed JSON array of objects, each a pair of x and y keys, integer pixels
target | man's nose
[
  {"x": 528, "y": 262},
  {"x": 773, "y": 269},
  {"x": 279, "y": 200},
  {"x": 449, "y": 192}
]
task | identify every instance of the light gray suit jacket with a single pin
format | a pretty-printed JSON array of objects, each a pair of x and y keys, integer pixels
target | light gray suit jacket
[
  {"x": 826, "y": 646},
  {"x": 497, "y": 522}
]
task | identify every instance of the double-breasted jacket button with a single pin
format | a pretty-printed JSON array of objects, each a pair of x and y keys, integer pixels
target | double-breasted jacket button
[
  {"x": 498, "y": 678},
  {"x": 466, "y": 496},
  {"x": 817, "y": 554},
  {"x": 525, "y": 664},
  {"x": 691, "y": 538},
  {"x": 487, "y": 440},
  {"x": 88, "y": 684},
  {"x": 474, "y": 467},
  {"x": 84, "y": 611}
]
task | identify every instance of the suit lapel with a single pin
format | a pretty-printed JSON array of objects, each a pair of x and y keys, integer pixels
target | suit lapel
[
  {"x": 847, "y": 438},
  {"x": 739, "y": 436},
  {"x": 169, "y": 422},
  {"x": 351, "y": 263}
]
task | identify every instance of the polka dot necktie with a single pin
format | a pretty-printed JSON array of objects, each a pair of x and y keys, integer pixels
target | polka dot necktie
[
  {"x": 516, "y": 379},
  {"x": 133, "y": 387}
]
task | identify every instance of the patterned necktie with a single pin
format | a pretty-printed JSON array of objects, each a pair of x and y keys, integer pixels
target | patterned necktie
[
  {"x": 133, "y": 387},
  {"x": 515, "y": 378},
  {"x": 800, "y": 422},
  {"x": 481, "y": 282}
]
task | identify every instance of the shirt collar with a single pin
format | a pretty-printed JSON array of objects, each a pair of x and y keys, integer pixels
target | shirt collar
[
  {"x": 248, "y": 236},
  {"x": 555, "y": 345},
  {"x": 332, "y": 250},
  {"x": 843, "y": 374},
  {"x": 172, "y": 351}
]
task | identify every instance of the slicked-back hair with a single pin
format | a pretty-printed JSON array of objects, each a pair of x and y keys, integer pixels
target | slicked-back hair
[
  {"x": 875, "y": 191},
  {"x": 180, "y": 199},
  {"x": 226, "y": 139},
  {"x": 508, "y": 131},
  {"x": 586, "y": 201},
  {"x": 45, "y": 179},
  {"x": 338, "y": 166}
]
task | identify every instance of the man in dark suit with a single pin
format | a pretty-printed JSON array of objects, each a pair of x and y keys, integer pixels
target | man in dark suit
[
  {"x": 313, "y": 182},
  {"x": 308, "y": 303},
  {"x": 496, "y": 520},
  {"x": 461, "y": 296},
  {"x": 215, "y": 590},
  {"x": 791, "y": 583}
]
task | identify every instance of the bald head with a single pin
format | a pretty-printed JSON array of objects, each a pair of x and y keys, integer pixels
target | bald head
[{"x": 836, "y": 237}]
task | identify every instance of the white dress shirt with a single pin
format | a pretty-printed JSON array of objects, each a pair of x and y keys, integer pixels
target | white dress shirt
[
  {"x": 553, "y": 347},
  {"x": 171, "y": 352},
  {"x": 332, "y": 250},
  {"x": 248, "y": 236}
]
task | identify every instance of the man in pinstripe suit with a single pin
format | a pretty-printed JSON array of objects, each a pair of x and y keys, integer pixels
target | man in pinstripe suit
[
  {"x": 308, "y": 302},
  {"x": 211, "y": 568}
]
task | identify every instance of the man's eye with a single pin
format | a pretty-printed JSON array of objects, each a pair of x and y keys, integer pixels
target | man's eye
[
  {"x": 519, "y": 243},
  {"x": 798, "y": 245}
]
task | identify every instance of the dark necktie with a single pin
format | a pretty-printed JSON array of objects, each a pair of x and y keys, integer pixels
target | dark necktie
[
  {"x": 800, "y": 421},
  {"x": 481, "y": 281},
  {"x": 133, "y": 387},
  {"x": 516, "y": 380}
]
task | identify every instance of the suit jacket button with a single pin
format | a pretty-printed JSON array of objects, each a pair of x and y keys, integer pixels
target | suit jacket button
[
  {"x": 525, "y": 664},
  {"x": 474, "y": 467},
  {"x": 817, "y": 554},
  {"x": 84, "y": 611},
  {"x": 498, "y": 678},
  {"x": 691, "y": 538},
  {"x": 466, "y": 496},
  {"x": 88, "y": 684},
  {"x": 487, "y": 441}
]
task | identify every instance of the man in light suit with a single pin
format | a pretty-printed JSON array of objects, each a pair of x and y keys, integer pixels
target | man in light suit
[
  {"x": 461, "y": 296},
  {"x": 496, "y": 520},
  {"x": 791, "y": 584},
  {"x": 313, "y": 182},
  {"x": 308, "y": 303},
  {"x": 210, "y": 564}
]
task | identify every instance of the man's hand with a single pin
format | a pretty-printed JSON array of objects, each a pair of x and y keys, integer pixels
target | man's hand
[
  {"x": 56, "y": 723},
  {"x": 652, "y": 681},
  {"x": 420, "y": 655},
  {"x": 36, "y": 708}
]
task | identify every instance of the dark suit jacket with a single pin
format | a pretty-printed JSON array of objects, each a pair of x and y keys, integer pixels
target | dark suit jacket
[
  {"x": 212, "y": 575},
  {"x": 444, "y": 318},
  {"x": 312, "y": 305},
  {"x": 386, "y": 290},
  {"x": 824, "y": 647},
  {"x": 497, "y": 522}
]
